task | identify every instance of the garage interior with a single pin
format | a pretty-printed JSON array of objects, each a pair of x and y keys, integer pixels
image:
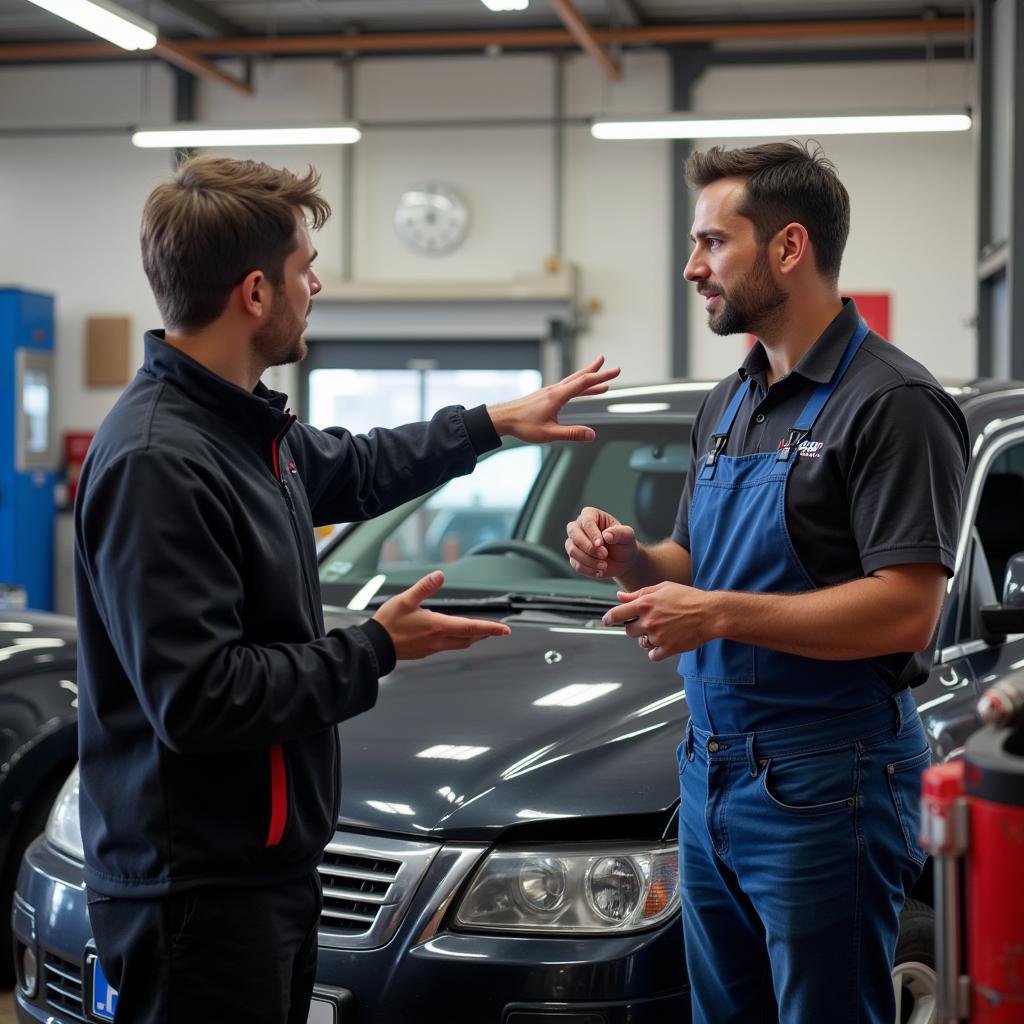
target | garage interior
[{"x": 569, "y": 246}]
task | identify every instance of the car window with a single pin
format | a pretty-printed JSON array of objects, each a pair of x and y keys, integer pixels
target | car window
[
  {"x": 465, "y": 512},
  {"x": 503, "y": 527},
  {"x": 997, "y": 534}
]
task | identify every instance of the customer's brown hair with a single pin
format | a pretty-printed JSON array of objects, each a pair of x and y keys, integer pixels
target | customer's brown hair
[
  {"x": 785, "y": 182},
  {"x": 212, "y": 224}
]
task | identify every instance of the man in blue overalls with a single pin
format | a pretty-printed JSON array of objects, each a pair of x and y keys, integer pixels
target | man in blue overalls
[{"x": 801, "y": 588}]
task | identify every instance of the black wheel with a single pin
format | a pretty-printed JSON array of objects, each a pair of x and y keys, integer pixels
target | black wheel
[
  {"x": 30, "y": 824},
  {"x": 913, "y": 973},
  {"x": 555, "y": 565}
]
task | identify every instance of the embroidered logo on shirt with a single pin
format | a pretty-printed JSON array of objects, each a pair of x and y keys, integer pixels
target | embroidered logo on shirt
[{"x": 810, "y": 449}]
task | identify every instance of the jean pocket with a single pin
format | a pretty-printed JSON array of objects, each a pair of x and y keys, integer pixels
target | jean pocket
[
  {"x": 815, "y": 783},
  {"x": 905, "y": 790}
]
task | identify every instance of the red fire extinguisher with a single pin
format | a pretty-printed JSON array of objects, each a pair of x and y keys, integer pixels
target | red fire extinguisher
[{"x": 973, "y": 825}]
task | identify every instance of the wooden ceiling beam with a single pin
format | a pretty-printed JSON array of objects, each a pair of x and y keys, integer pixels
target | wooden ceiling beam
[
  {"x": 539, "y": 39},
  {"x": 584, "y": 35},
  {"x": 199, "y": 66}
]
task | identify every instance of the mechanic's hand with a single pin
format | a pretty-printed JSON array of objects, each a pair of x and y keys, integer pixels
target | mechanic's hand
[
  {"x": 598, "y": 545},
  {"x": 417, "y": 632},
  {"x": 667, "y": 619},
  {"x": 534, "y": 417}
]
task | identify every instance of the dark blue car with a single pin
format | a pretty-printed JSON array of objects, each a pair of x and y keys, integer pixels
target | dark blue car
[{"x": 506, "y": 852}]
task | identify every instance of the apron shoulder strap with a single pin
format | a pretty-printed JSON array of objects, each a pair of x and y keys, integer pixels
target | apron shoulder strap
[{"x": 720, "y": 437}]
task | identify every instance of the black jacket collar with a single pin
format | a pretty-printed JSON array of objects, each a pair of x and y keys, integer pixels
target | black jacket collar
[{"x": 261, "y": 409}]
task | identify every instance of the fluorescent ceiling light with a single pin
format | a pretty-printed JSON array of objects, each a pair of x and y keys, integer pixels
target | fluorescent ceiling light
[
  {"x": 201, "y": 136},
  {"x": 113, "y": 23},
  {"x": 686, "y": 126},
  {"x": 506, "y": 5}
]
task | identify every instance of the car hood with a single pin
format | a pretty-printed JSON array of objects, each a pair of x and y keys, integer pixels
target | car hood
[
  {"x": 559, "y": 720},
  {"x": 32, "y": 641}
]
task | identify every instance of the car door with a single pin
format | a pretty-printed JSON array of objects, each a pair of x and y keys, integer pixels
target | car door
[{"x": 969, "y": 658}]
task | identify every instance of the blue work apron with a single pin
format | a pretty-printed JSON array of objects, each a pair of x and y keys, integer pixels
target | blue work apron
[
  {"x": 739, "y": 541},
  {"x": 799, "y": 779}
]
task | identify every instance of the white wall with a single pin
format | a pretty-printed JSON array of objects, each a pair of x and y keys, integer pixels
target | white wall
[
  {"x": 913, "y": 211},
  {"x": 70, "y": 206}
]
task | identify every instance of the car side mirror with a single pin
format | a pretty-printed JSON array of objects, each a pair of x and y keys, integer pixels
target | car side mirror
[{"x": 1008, "y": 617}]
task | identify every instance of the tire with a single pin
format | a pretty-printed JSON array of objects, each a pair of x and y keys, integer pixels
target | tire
[
  {"x": 30, "y": 824},
  {"x": 913, "y": 972}
]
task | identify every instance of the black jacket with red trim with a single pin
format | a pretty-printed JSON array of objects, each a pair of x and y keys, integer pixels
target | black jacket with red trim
[{"x": 208, "y": 690}]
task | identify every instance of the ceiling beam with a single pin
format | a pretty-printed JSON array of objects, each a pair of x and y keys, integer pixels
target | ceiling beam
[
  {"x": 544, "y": 39},
  {"x": 584, "y": 35},
  {"x": 199, "y": 66}
]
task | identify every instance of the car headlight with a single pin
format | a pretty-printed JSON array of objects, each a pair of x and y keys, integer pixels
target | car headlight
[
  {"x": 62, "y": 827},
  {"x": 597, "y": 889}
]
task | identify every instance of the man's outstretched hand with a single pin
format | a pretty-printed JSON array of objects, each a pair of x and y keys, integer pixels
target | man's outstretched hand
[
  {"x": 417, "y": 632},
  {"x": 534, "y": 417}
]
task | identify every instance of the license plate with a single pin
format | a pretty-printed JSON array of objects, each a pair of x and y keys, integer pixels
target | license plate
[
  {"x": 104, "y": 1000},
  {"x": 104, "y": 995}
]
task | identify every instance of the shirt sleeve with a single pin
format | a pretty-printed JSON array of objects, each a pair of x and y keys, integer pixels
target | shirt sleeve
[
  {"x": 352, "y": 477},
  {"x": 156, "y": 540},
  {"x": 906, "y": 478}
]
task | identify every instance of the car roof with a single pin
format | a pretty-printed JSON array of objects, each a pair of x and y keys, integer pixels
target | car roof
[
  {"x": 671, "y": 399},
  {"x": 682, "y": 398}
]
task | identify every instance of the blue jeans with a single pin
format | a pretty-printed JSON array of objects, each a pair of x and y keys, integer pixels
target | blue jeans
[{"x": 798, "y": 848}]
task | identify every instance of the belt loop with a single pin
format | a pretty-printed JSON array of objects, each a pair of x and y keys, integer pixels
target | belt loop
[
  {"x": 751, "y": 759},
  {"x": 688, "y": 740}
]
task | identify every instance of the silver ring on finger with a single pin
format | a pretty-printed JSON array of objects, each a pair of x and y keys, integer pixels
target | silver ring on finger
[{"x": 645, "y": 642}]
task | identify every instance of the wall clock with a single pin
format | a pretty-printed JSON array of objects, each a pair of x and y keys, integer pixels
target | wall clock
[{"x": 431, "y": 218}]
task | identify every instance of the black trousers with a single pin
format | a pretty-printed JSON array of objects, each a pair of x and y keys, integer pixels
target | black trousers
[{"x": 211, "y": 955}]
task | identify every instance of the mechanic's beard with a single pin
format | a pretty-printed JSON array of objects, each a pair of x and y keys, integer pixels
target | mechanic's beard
[
  {"x": 754, "y": 303},
  {"x": 280, "y": 341}
]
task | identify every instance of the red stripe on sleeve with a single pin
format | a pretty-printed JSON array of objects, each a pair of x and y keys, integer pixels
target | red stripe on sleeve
[{"x": 278, "y": 796}]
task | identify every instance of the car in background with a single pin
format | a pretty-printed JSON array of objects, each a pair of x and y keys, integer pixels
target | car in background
[
  {"x": 38, "y": 738},
  {"x": 506, "y": 851}
]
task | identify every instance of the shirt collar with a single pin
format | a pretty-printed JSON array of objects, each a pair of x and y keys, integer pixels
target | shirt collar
[
  {"x": 262, "y": 409},
  {"x": 822, "y": 360}
]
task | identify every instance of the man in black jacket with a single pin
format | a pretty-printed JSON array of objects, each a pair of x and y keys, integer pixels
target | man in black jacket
[{"x": 209, "y": 690}]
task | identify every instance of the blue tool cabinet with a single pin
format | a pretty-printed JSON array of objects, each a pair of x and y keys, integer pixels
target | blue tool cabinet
[{"x": 28, "y": 445}]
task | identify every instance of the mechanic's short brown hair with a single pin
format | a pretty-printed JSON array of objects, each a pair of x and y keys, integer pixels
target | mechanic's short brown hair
[
  {"x": 212, "y": 224},
  {"x": 785, "y": 182}
]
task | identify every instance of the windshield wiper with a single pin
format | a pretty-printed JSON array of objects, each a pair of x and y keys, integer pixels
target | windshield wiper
[{"x": 514, "y": 602}]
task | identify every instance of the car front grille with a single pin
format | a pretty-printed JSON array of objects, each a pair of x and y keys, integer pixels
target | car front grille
[
  {"x": 368, "y": 882},
  {"x": 62, "y": 987}
]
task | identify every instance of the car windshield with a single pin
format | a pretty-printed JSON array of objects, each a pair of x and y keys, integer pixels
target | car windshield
[{"x": 502, "y": 529}]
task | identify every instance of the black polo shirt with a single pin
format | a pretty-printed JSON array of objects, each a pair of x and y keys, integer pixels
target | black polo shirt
[{"x": 880, "y": 483}]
